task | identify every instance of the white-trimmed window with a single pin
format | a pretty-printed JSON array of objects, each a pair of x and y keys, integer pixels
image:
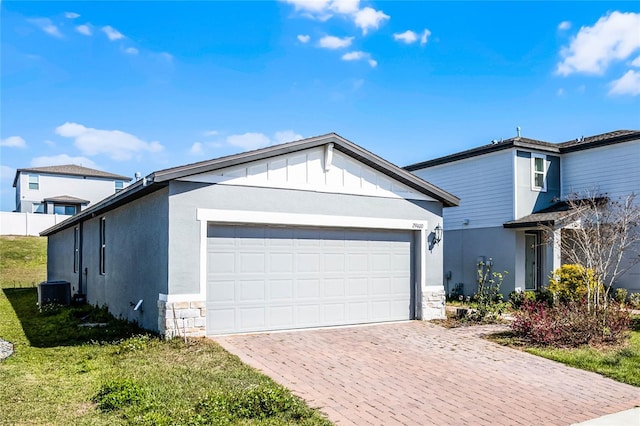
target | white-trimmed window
[
  {"x": 119, "y": 185},
  {"x": 538, "y": 172},
  {"x": 34, "y": 182},
  {"x": 103, "y": 246}
]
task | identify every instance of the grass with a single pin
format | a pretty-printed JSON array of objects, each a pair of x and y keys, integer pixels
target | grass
[
  {"x": 23, "y": 261},
  {"x": 63, "y": 373},
  {"x": 621, "y": 363}
]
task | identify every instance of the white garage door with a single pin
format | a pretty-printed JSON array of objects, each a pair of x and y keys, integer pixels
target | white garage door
[{"x": 272, "y": 278}]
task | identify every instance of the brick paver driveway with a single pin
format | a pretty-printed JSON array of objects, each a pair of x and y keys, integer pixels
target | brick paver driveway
[{"x": 419, "y": 373}]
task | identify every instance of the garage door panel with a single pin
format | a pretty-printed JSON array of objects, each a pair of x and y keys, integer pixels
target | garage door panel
[{"x": 297, "y": 278}]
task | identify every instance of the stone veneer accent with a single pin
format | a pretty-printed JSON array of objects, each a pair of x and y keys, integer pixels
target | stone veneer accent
[
  {"x": 182, "y": 318},
  {"x": 433, "y": 305}
]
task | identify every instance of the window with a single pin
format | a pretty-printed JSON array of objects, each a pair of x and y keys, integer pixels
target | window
[
  {"x": 68, "y": 210},
  {"x": 37, "y": 208},
  {"x": 34, "y": 182},
  {"x": 538, "y": 172},
  {"x": 103, "y": 246},
  {"x": 76, "y": 248},
  {"x": 119, "y": 185}
]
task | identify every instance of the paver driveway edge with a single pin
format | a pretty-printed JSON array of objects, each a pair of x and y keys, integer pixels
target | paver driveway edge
[{"x": 420, "y": 373}]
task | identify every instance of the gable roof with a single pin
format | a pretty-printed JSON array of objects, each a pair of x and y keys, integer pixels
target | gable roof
[
  {"x": 70, "y": 170},
  {"x": 580, "y": 144},
  {"x": 161, "y": 178},
  {"x": 66, "y": 199}
]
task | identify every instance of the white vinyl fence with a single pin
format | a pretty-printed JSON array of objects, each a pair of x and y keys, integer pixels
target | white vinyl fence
[{"x": 27, "y": 223}]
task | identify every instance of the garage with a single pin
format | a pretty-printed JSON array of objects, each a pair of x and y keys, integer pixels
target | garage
[{"x": 272, "y": 278}]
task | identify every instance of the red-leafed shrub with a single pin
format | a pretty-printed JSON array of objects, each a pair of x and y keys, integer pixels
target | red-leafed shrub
[{"x": 570, "y": 324}]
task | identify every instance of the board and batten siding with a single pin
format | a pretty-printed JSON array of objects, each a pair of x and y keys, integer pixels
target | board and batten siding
[
  {"x": 484, "y": 185},
  {"x": 613, "y": 169}
]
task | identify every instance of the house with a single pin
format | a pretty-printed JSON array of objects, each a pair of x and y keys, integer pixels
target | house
[
  {"x": 509, "y": 188},
  {"x": 63, "y": 190},
  {"x": 317, "y": 232}
]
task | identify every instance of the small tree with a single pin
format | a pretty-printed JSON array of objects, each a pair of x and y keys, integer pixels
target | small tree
[
  {"x": 488, "y": 297},
  {"x": 603, "y": 237}
]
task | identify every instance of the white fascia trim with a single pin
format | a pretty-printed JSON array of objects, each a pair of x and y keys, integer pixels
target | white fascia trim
[{"x": 172, "y": 298}]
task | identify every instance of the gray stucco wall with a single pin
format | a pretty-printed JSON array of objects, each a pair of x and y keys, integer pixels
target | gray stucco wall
[
  {"x": 60, "y": 258},
  {"x": 184, "y": 229},
  {"x": 463, "y": 247},
  {"x": 136, "y": 258}
]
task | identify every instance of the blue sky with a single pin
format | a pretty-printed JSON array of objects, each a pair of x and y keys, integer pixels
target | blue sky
[{"x": 141, "y": 86}]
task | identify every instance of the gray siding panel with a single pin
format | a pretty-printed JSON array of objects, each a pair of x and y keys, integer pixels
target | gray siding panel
[
  {"x": 528, "y": 200},
  {"x": 484, "y": 185},
  {"x": 184, "y": 230},
  {"x": 60, "y": 258}
]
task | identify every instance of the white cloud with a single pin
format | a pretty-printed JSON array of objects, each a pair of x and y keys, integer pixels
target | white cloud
[
  {"x": 7, "y": 172},
  {"x": 286, "y": 136},
  {"x": 62, "y": 159},
  {"x": 613, "y": 38},
  {"x": 425, "y": 36},
  {"x": 196, "y": 149},
  {"x": 84, "y": 29},
  {"x": 636, "y": 62},
  {"x": 303, "y": 38},
  {"x": 115, "y": 144},
  {"x": 628, "y": 84},
  {"x": 407, "y": 37},
  {"x": 50, "y": 143},
  {"x": 112, "y": 33},
  {"x": 47, "y": 26},
  {"x": 13, "y": 142},
  {"x": 359, "y": 55},
  {"x": 255, "y": 140},
  {"x": 165, "y": 55},
  {"x": 131, "y": 51},
  {"x": 71, "y": 15},
  {"x": 564, "y": 25},
  {"x": 345, "y": 6},
  {"x": 210, "y": 133},
  {"x": 369, "y": 18},
  {"x": 312, "y": 6},
  {"x": 333, "y": 42},
  {"x": 249, "y": 141}
]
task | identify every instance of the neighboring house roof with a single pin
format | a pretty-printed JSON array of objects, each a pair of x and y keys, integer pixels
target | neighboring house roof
[
  {"x": 70, "y": 170},
  {"x": 553, "y": 214},
  {"x": 579, "y": 144},
  {"x": 161, "y": 178},
  {"x": 66, "y": 199}
]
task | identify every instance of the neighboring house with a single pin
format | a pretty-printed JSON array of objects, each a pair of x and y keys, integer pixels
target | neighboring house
[
  {"x": 317, "y": 232},
  {"x": 509, "y": 188},
  {"x": 63, "y": 190}
]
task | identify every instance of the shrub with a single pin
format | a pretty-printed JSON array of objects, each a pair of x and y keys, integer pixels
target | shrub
[
  {"x": 634, "y": 300},
  {"x": 517, "y": 298},
  {"x": 489, "y": 303},
  {"x": 620, "y": 295},
  {"x": 119, "y": 393},
  {"x": 260, "y": 402},
  {"x": 570, "y": 324},
  {"x": 569, "y": 283}
]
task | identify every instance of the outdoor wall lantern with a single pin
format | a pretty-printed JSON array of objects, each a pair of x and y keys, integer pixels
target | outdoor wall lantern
[{"x": 437, "y": 234}]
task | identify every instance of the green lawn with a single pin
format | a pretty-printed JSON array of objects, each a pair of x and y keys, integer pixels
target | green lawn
[
  {"x": 63, "y": 373},
  {"x": 621, "y": 363},
  {"x": 23, "y": 261}
]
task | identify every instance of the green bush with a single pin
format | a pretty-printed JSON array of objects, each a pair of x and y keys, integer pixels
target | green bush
[
  {"x": 569, "y": 283},
  {"x": 634, "y": 300},
  {"x": 260, "y": 402},
  {"x": 517, "y": 298},
  {"x": 118, "y": 394},
  {"x": 620, "y": 295}
]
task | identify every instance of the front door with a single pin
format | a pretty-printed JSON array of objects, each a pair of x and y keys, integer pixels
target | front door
[{"x": 531, "y": 261}]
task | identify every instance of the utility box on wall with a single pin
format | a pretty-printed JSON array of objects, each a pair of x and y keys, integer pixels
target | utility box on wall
[{"x": 54, "y": 292}]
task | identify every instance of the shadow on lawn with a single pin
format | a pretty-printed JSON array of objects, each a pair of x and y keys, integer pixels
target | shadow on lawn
[{"x": 62, "y": 326}]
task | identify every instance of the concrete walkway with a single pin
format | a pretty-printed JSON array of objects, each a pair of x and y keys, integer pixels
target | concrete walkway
[{"x": 417, "y": 373}]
